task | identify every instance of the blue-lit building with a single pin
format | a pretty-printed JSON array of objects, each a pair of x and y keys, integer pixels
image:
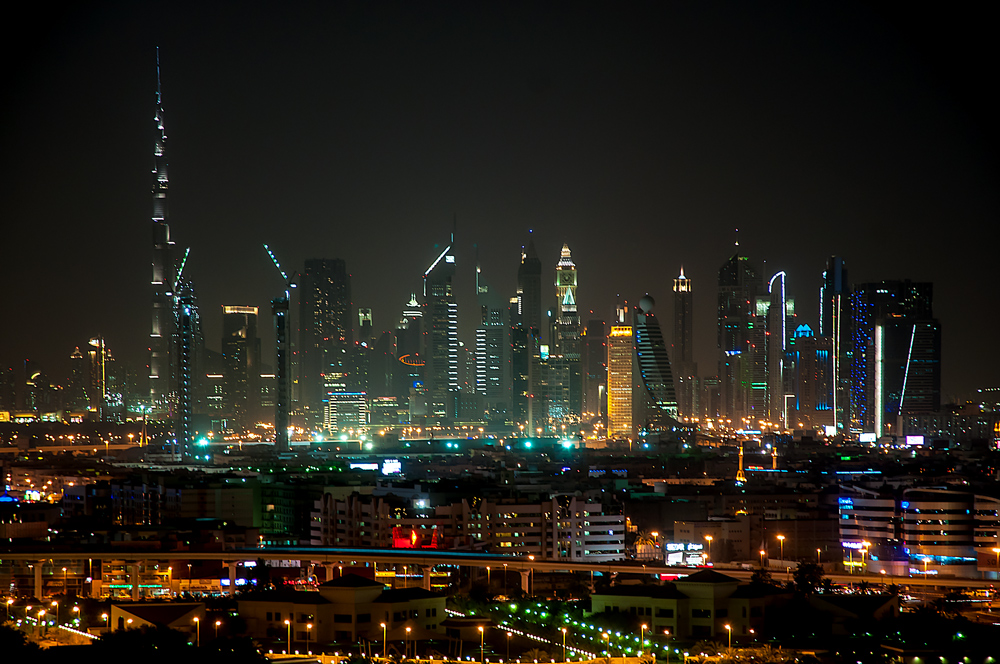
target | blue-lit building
[
  {"x": 441, "y": 336},
  {"x": 896, "y": 362},
  {"x": 811, "y": 364},
  {"x": 739, "y": 286},
  {"x": 654, "y": 397}
]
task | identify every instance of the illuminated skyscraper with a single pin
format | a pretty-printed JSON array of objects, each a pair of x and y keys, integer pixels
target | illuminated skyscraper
[
  {"x": 594, "y": 343},
  {"x": 657, "y": 402},
  {"x": 162, "y": 327},
  {"x": 739, "y": 285},
  {"x": 685, "y": 368},
  {"x": 620, "y": 378},
  {"x": 896, "y": 363},
  {"x": 835, "y": 323},
  {"x": 810, "y": 361},
  {"x": 492, "y": 351},
  {"x": 241, "y": 362},
  {"x": 441, "y": 335},
  {"x": 325, "y": 332},
  {"x": 566, "y": 331}
]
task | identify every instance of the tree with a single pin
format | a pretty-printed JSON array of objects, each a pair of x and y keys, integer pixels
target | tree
[
  {"x": 808, "y": 577},
  {"x": 762, "y": 576},
  {"x": 14, "y": 644}
]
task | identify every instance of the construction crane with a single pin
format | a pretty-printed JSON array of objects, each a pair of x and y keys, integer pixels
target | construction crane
[{"x": 279, "y": 308}]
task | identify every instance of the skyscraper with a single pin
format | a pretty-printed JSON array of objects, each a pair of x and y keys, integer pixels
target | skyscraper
[
  {"x": 620, "y": 377},
  {"x": 529, "y": 288},
  {"x": 162, "y": 325},
  {"x": 595, "y": 372},
  {"x": 325, "y": 331},
  {"x": 566, "y": 337},
  {"x": 441, "y": 335},
  {"x": 492, "y": 351},
  {"x": 835, "y": 323},
  {"x": 811, "y": 364},
  {"x": 739, "y": 285},
  {"x": 241, "y": 362},
  {"x": 686, "y": 370},
  {"x": 896, "y": 363},
  {"x": 657, "y": 402}
]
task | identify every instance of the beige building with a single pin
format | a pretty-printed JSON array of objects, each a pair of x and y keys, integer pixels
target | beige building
[
  {"x": 698, "y": 606},
  {"x": 343, "y": 610}
]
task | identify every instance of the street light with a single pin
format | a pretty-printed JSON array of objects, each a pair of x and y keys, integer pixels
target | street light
[
  {"x": 762, "y": 552},
  {"x": 382, "y": 625},
  {"x": 309, "y": 627},
  {"x": 76, "y": 609},
  {"x": 197, "y": 626},
  {"x": 406, "y": 644},
  {"x": 729, "y": 631},
  {"x": 487, "y": 578},
  {"x": 9, "y": 602},
  {"x": 65, "y": 587},
  {"x": 781, "y": 546},
  {"x": 105, "y": 617},
  {"x": 217, "y": 623},
  {"x": 288, "y": 624},
  {"x": 56, "y": 604},
  {"x": 817, "y": 557},
  {"x": 607, "y": 646},
  {"x": 642, "y": 639},
  {"x": 709, "y": 538},
  {"x": 482, "y": 645},
  {"x": 531, "y": 577},
  {"x": 505, "y": 581},
  {"x": 508, "y": 645},
  {"x": 564, "y": 643}
]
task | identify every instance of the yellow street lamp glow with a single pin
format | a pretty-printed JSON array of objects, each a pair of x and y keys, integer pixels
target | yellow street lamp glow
[
  {"x": 382, "y": 625},
  {"x": 729, "y": 630}
]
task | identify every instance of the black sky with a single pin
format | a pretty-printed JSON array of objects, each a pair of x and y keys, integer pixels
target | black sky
[{"x": 642, "y": 134}]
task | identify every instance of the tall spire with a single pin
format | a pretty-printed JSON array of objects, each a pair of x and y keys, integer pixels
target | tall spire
[{"x": 162, "y": 323}]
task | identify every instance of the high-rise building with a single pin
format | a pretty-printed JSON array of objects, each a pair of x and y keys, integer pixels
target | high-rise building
[
  {"x": 657, "y": 400},
  {"x": 492, "y": 352},
  {"x": 241, "y": 362},
  {"x": 594, "y": 358},
  {"x": 835, "y": 323},
  {"x": 566, "y": 331},
  {"x": 620, "y": 377},
  {"x": 811, "y": 364},
  {"x": 529, "y": 288},
  {"x": 779, "y": 327},
  {"x": 364, "y": 324},
  {"x": 441, "y": 335},
  {"x": 739, "y": 285},
  {"x": 685, "y": 368},
  {"x": 162, "y": 325},
  {"x": 325, "y": 332},
  {"x": 896, "y": 363},
  {"x": 408, "y": 372},
  {"x": 521, "y": 341}
]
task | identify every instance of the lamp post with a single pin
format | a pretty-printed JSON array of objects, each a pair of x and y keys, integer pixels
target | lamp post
[
  {"x": 505, "y": 580},
  {"x": 509, "y": 634},
  {"x": 105, "y": 616},
  {"x": 709, "y": 538},
  {"x": 217, "y": 623},
  {"x": 56, "y": 604},
  {"x": 197, "y": 627},
  {"x": 564, "y": 642},
  {"x": 642, "y": 638},
  {"x": 729, "y": 631},
  {"x": 531, "y": 577},
  {"x": 382, "y": 625},
  {"x": 76, "y": 609},
  {"x": 818, "y": 557},
  {"x": 607, "y": 646},
  {"x": 781, "y": 546},
  {"x": 406, "y": 644},
  {"x": 666, "y": 633},
  {"x": 65, "y": 587},
  {"x": 309, "y": 627},
  {"x": 288, "y": 624},
  {"x": 762, "y": 552},
  {"x": 482, "y": 645}
]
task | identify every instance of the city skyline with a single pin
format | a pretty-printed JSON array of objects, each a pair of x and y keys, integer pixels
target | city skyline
[{"x": 629, "y": 233}]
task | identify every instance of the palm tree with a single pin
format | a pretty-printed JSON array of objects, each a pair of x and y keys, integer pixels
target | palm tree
[{"x": 536, "y": 654}]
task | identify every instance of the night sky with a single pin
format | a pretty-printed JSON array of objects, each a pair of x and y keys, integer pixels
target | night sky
[{"x": 642, "y": 135}]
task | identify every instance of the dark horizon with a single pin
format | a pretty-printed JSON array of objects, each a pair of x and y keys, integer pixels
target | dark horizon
[{"x": 642, "y": 137}]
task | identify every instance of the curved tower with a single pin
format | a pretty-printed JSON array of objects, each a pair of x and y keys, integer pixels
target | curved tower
[{"x": 653, "y": 364}]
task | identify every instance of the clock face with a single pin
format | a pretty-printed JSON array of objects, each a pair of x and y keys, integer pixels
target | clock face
[{"x": 567, "y": 278}]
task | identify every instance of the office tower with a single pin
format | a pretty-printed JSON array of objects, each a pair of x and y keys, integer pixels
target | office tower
[
  {"x": 835, "y": 323},
  {"x": 382, "y": 366},
  {"x": 364, "y": 324},
  {"x": 441, "y": 335},
  {"x": 566, "y": 337},
  {"x": 529, "y": 287},
  {"x": 620, "y": 377},
  {"x": 325, "y": 331},
  {"x": 594, "y": 368},
  {"x": 98, "y": 360},
  {"x": 656, "y": 401},
  {"x": 241, "y": 364},
  {"x": 780, "y": 309},
  {"x": 739, "y": 285},
  {"x": 188, "y": 326},
  {"x": 896, "y": 363},
  {"x": 520, "y": 362},
  {"x": 811, "y": 364},
  {"x": 492, "y": 351},
  {"x": 77, "y": 398},
  {"x": 685, "y": 368},
  {"x": 162, "y": 327},
  {"x": 408, "y": 371}
]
